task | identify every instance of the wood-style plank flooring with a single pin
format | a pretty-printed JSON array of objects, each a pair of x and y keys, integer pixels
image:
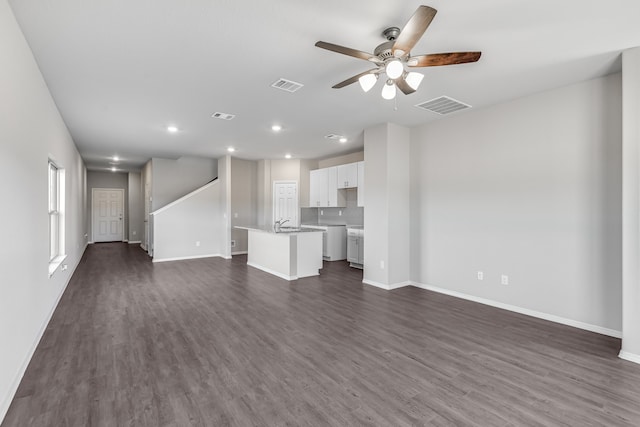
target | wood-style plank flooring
[{"x": 213, "y": 342}]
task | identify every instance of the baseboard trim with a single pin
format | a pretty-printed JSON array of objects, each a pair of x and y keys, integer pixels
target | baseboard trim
[
  {"x": 182, "y": 258},
  {"x": 630, "y": 357},
  {"x": 525, "y": 311},
  {"x": 386, "y": 287},
  {"x": 6, "y": 403},
  {"x": 133, "y": 242},
  {"x": 270, "y": 271},
  {"x": 239, "y": 253}
]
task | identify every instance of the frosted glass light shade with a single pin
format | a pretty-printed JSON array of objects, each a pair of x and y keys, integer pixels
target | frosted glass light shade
[
  {"x": 414, "y": 79},
  {"x": 394, "y": 69},
  {"x": 367, "y": 81},
  {"x": 389, "y": 91}
]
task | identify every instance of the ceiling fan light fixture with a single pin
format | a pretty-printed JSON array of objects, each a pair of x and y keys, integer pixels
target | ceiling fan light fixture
[
  {"x": 389, "y": 90},
  {"x": 367, "y": 81},
  {"x": 394, "y": 69},
  {"x": 414, "y": 79}
]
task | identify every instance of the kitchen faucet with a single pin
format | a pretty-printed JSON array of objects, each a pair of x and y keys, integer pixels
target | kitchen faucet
[{"x": 278, "y": 224}]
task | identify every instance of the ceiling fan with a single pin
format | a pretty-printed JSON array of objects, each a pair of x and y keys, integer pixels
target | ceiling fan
[{"x": 392, "y": 56}]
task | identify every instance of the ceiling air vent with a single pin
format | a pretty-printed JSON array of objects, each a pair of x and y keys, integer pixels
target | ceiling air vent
[
  {"x": 287, "y": 85},
  {"x": 443, "y": 105},
  {"x": 223, "y": 116},
  {"x": 333, "y": 136}
]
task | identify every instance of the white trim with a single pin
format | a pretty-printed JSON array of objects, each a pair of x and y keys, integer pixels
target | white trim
[
  {"x": 635, "y": 358},
  {"x": 55, "y": 263},
  {"x": 4, "y": 406},
  {"x": 386, "y": 287},
  {"x": 124, "y": 212},
  {"x": 193, "y": 193},
  {"x": 240, "y": 253},
  {"x": 133, "y": 242},
  {"x": 525, "y": 311},
  {"x": 275, "y": 273},
  {"x": 182, "y": 258}
]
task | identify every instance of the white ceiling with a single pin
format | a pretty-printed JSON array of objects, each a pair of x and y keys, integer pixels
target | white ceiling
[{"x": 121, "y": 71}]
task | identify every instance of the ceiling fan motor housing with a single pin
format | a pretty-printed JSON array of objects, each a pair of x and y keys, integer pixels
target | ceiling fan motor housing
[{"x": 383, "y": 51}]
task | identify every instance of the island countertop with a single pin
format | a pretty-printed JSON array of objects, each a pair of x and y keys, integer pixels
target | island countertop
[{"x": 283, "y": 230}]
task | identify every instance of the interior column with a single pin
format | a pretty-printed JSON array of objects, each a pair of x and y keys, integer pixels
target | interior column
[
  {"x": 387, "y": 203},
  {"x": 631, "y": 205}
]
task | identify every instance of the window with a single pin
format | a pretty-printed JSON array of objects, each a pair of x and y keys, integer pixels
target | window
[{"x": 56, "y": 224}]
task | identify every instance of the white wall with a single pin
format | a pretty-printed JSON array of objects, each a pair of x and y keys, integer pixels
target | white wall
[
  {"x": 376, "y": 205},
  {"x": 530, "y": 189},
  {"x": 31, "y": 132},
  {"x": 631, "y": 205},
  {"x": 244, "y": 195},
  {"x": 193, "y": 227},
  {"x": 173, "y": 179}
]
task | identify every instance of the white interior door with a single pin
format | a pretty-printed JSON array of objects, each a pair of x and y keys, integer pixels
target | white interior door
[
  {"x": 285, "y": 202},
  {"x": 108, "y": 214}
]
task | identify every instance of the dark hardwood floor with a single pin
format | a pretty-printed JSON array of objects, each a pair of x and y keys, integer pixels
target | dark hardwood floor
[{"x": 213, "y": 342}]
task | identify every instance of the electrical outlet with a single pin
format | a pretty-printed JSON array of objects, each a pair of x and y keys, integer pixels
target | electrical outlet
[
  {"x": 233, "y": 243},
  {"x": 235, "y": 215},
  {"x": 321, "y": 212},
  {"x": 480, "y": 275},
  {"x": 134, "y": 232},
  {"x": 382, "y": 264},
  {"x": 197, "y": 242},
  {"x": 504, "y": 279},
  {"x": 339, "y": 213}
]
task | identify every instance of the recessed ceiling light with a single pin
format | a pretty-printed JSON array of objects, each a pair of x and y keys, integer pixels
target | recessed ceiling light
[
  {"x": 276, "y": 128},
  {"x": 287, "y": 156},
  {"x": 116, "y": 158},
  {"x": 231, "y": 149},
  {"x": 172, "y": 129},
  {"x": 343, "y": 140},
  {"x": 113, "y": 169}
]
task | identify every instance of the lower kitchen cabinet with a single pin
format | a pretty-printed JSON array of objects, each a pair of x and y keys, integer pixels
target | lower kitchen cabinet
[
  {"x": 355, "y": 247},
  {"x": 334, "y": 241}
]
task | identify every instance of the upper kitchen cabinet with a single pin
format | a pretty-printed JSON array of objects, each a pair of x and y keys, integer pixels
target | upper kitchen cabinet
[
  {"x": 360, "y": 167},
  {"x": 348, "y": 175},
  {"x": 323, "y": 189}
]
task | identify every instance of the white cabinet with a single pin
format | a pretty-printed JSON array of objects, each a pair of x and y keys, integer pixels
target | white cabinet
[
  {"x": 355, "y": 247},
  {"x": 360, "y": 167},
  {"x": 334, "y": 241},
  {"x": 348, "y": 175},
  {"x": 318, "y": 187},
  {"x": 323, "y": 189}
]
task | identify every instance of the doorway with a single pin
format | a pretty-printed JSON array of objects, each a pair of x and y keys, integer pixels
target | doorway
[
  {"x": 107, "y": 213},
  {"x": 285, "y": 202}
]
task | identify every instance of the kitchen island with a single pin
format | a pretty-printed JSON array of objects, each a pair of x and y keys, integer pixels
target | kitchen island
[{"x": 290, "y": 253}]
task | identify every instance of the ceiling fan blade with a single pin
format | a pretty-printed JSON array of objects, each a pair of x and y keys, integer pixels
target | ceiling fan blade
[
  {"x": 348, "y": 51},
  {"x": 413, "y": 30},
  {"x": 436, "y": 59},
  {"x": 404, "y": 86},
  {"x": 355, "y": 78}
]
